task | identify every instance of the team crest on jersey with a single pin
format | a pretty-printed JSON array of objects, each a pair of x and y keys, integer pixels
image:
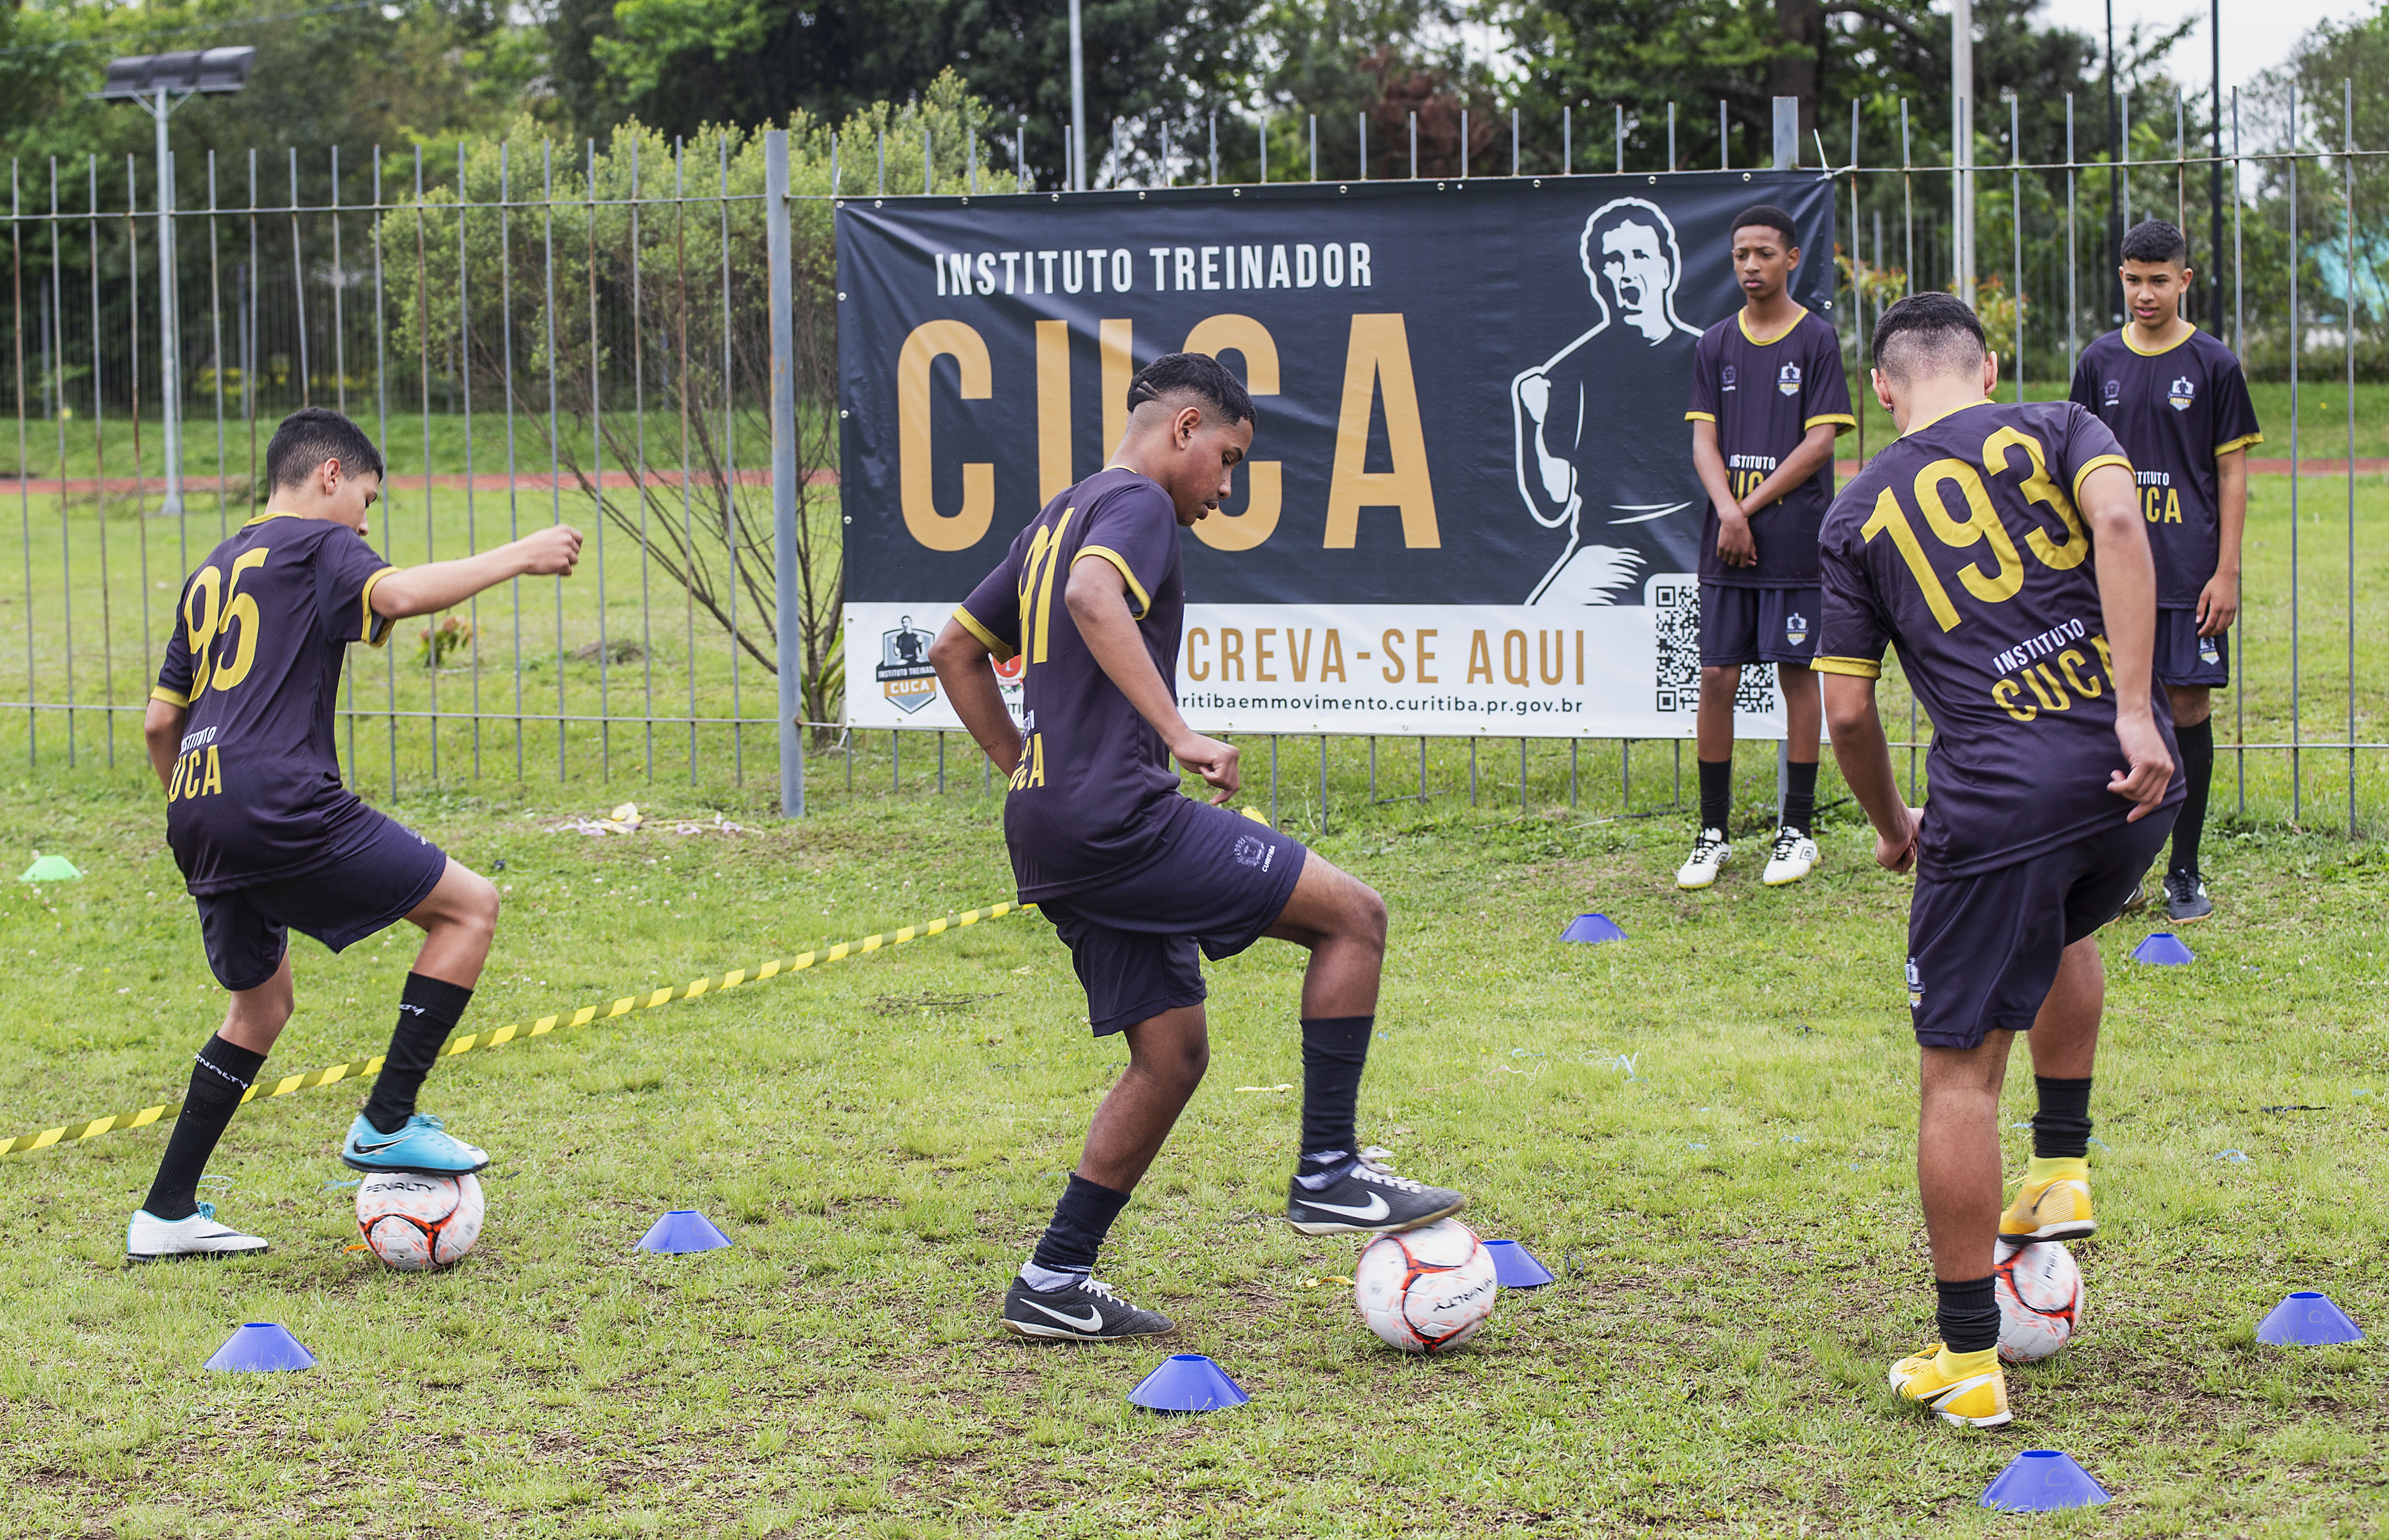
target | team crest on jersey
[
  {"x": 1787, "y": 380},
  {"x": 904, "y": 673},
  {"x": 1795, "y": 628},
  {"x": 1915, "y": 984},
  {"x": 1726, "y": 378},
  {"x": 2113, "y": 391},
  {"x": 2181, "y": 393}
]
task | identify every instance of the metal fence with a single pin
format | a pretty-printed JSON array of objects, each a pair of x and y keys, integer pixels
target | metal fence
[{"x": 539, "y": 333}]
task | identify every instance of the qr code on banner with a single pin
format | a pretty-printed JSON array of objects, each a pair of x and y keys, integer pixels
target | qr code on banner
[{"x": 1676, "y": 611}]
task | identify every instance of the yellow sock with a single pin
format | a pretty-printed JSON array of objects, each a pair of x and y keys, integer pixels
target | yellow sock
[
  {"x": 2043, "y": 1169},
  {"x": 1959, "y": 1365}
]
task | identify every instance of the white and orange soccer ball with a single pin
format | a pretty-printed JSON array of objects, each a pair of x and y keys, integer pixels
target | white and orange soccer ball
[
  {"x": 1428, "y": 1290},
  {"x": 2039, "y": 1290},
  {"x": 416, "y": 1223}
]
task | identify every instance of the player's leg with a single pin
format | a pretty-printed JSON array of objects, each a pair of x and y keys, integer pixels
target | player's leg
[
  {"x": 1795, "y": 853},
  {"x": 2193, "y": 731},
  {"x": 2054, "y": 1201},
  {"x": 1958, "y": 1177},
  {"x": 252, "y": 957},
  {"x": 1338, "y": 1187},
  {"x": 458, "y": 918},
  {"x": 1728, "y": 640}
]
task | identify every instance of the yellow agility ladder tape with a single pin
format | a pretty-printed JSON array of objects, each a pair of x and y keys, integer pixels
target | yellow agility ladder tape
[{"x": 75, "y": 1133}]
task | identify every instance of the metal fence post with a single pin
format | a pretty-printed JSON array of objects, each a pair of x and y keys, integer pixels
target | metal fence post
[
  {"x": 1787, "y": 132},
  {"x": 783, "y": 468}
]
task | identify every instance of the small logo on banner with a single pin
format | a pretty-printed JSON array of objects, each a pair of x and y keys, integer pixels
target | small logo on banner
[
  {"x": 904, "y": 671},
  {"x": 2181, "y": 393},
  {"x": 1725, "y": 378},
  {"x": 1795, "y": 628},
  {"x": 1787, "y": 380}
]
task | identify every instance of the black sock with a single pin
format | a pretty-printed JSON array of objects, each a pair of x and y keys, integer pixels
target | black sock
[
  {"x": 1335, "y": 1050},
  {"x": 223, "y": 1072},
  {"x": 1969, "y": 1315},
  {"x": 1081, "y": 1219},
  {"x": 428, "y": 1010},
  {"x": 1717, "y": 793},
  {"x": 1800, "y": 796},
  {"x": 2061, "y": 1128},
  {"x": 2197, "y": 768}
]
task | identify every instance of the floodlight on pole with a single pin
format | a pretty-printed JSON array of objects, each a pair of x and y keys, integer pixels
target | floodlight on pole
[{"x": 161, "y": 83}]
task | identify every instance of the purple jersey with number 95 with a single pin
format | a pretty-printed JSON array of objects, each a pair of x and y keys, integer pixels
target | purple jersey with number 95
[{"x": 259, "y": 637}]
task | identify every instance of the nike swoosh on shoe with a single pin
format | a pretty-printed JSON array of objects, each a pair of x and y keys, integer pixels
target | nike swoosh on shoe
[
  {"x": 1093, "y": 1322},
  {"x": 377, "y": 1148},
  {"x": 1375, "y": 1208}
]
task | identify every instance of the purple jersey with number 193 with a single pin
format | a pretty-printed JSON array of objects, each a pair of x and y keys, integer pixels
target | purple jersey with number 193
[
  {"x": 1960, "y": 546},
  {"x": 254, "y": 656}
]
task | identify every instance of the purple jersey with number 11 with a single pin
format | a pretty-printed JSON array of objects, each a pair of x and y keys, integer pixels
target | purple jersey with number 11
[
  {"x": 263, "y": 625},
  {"x": 1960, "y": 546}
]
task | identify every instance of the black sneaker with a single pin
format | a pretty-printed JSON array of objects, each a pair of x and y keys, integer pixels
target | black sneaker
[
  {"x": 2139, "y": 898},
  {"x": 1085, "y": 1312},
  {"x": 2186, "y": 898},
  {"x": 1368, "y": 1199}
]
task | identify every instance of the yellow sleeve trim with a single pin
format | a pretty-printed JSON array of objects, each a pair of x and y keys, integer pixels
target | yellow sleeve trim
[
  {"x": 2086, "y": 470},
  {"x": 1857, "y": 668},
  {"x": 1700, "y": 416},
  {"x": 987, "y": 639},
  {"x": 1143, "y": 600},
  {"x": 371, "y": 627},
  {"x": 160, "y": 692},
  {"x": 1843, "y": 422},
  {"x": 2245, "y": 441}
]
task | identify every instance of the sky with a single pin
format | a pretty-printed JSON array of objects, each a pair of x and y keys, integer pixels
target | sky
[{"x": 2257, "y": 34}]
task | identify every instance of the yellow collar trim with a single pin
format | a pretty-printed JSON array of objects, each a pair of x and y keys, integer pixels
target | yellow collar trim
[
  {"x": 1741, "y": 319},
  {"x": 1916, "y": 427},
  {"x": 272, "y": 513},
  {"x": 2126, "y": 333}
]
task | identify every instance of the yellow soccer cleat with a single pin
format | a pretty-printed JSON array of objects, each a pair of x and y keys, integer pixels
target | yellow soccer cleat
[
  {"x": 1968, "y": 1390},
  {"x": 2053, "y": 1203}
]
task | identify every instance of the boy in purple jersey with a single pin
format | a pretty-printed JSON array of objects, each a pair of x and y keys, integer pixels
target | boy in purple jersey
[
  {"x": 240, "y": 728},
  {"x": 2177, "y": 401},
  {"x": 1136, "y": 878},
  {"x": 2024, "y": 628},
  {"x": 1768, "y": 398}
]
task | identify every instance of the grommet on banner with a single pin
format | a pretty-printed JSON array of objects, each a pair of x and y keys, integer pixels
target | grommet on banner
[
  {"x": 683, "y": 1230},
  {"x": 2307, "y": 1319},
  {"x": 2042, "y": 1481},
  {"x": 1593, "y": 928},
  {"x": 1514, "y": 1266},
  {"x": 2165, "y": 949},
  {"x": 1187, "y": 1383},
  {"x": 261, "y": 1347}
]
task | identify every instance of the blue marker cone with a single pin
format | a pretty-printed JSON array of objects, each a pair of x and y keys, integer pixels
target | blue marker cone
[
  {"x": 2164, "y": 948},
  {"x": 2041, "y": 1480},
  {"x": 1515, "y": 1267},
  {"x": 1187, "y": 1383},
  {"x": 683, "y": 1230},
  {"x": 1593, "y": 928},
  {"x": 261, "y": 1347},
  {"x": 2307, "y": 1319}
]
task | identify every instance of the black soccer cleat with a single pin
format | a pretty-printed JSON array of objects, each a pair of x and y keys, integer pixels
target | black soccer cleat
[
  {"x": 1368, "y": 1199},
  {"x": 1085, "y": 1312},
  {"x": 2186, "y": 898}
]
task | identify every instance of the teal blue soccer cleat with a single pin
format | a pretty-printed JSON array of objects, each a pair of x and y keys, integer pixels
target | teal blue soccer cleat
[{"x": 423, "y": 1146}]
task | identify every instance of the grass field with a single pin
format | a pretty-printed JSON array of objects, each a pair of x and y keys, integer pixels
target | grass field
[{"x": 1706, "y": 1130}]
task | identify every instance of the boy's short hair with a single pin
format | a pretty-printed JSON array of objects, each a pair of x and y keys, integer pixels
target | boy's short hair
[
  {"x": 1927, "y": 335},
  {"x": 1769, "y": 217},
  {"x": 2155, "y": 240},
  {"x": 1195, "y": 374},
  {"x": 312, "y": 435}
]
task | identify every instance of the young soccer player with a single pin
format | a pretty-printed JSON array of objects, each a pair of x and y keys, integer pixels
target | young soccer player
[
  {"x": 1767, "y": 400},
  {"x": 240, "y": 730},
  {"x": 2175, "y": 400},
  {"x": 2001, "y": 549},
  {"x": 1136, "y": 877}
]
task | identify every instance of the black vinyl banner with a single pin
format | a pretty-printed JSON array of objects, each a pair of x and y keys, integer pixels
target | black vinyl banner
[{"x": 1470, "y": 395}]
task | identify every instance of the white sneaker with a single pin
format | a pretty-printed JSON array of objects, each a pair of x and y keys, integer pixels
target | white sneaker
[
  {"x": 1795, "y": 856},
  {"x": 1709, "y": 852},
  {"x": 150, "y": 1239}
]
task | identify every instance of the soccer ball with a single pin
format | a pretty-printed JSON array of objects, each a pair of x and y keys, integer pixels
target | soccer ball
[
  {"x": 414, "y": 1222},
  {"x": 2039, "y": 1290},
  {"x": 1427, "y": 1289}
]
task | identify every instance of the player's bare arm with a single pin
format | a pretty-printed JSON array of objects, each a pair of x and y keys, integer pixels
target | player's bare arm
[
  {"x": 161, "y": 730},
  {"x": 1816, "y": 448},
  {"x": 1864, "y": 756},
  {"x": 1097, "y": 595},
  {"x": 966, "y": 673},
  {"x": 435, "y": 585},
  {"x": 1735, "y": 547},
  {"x": 2127, "y": 602},
  {"x": 2218, "y": 602}
]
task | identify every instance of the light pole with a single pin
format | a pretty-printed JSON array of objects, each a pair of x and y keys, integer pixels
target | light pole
[
  {"x": 1961, "y": 146},
  {"x": 161, "y": 83}
]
